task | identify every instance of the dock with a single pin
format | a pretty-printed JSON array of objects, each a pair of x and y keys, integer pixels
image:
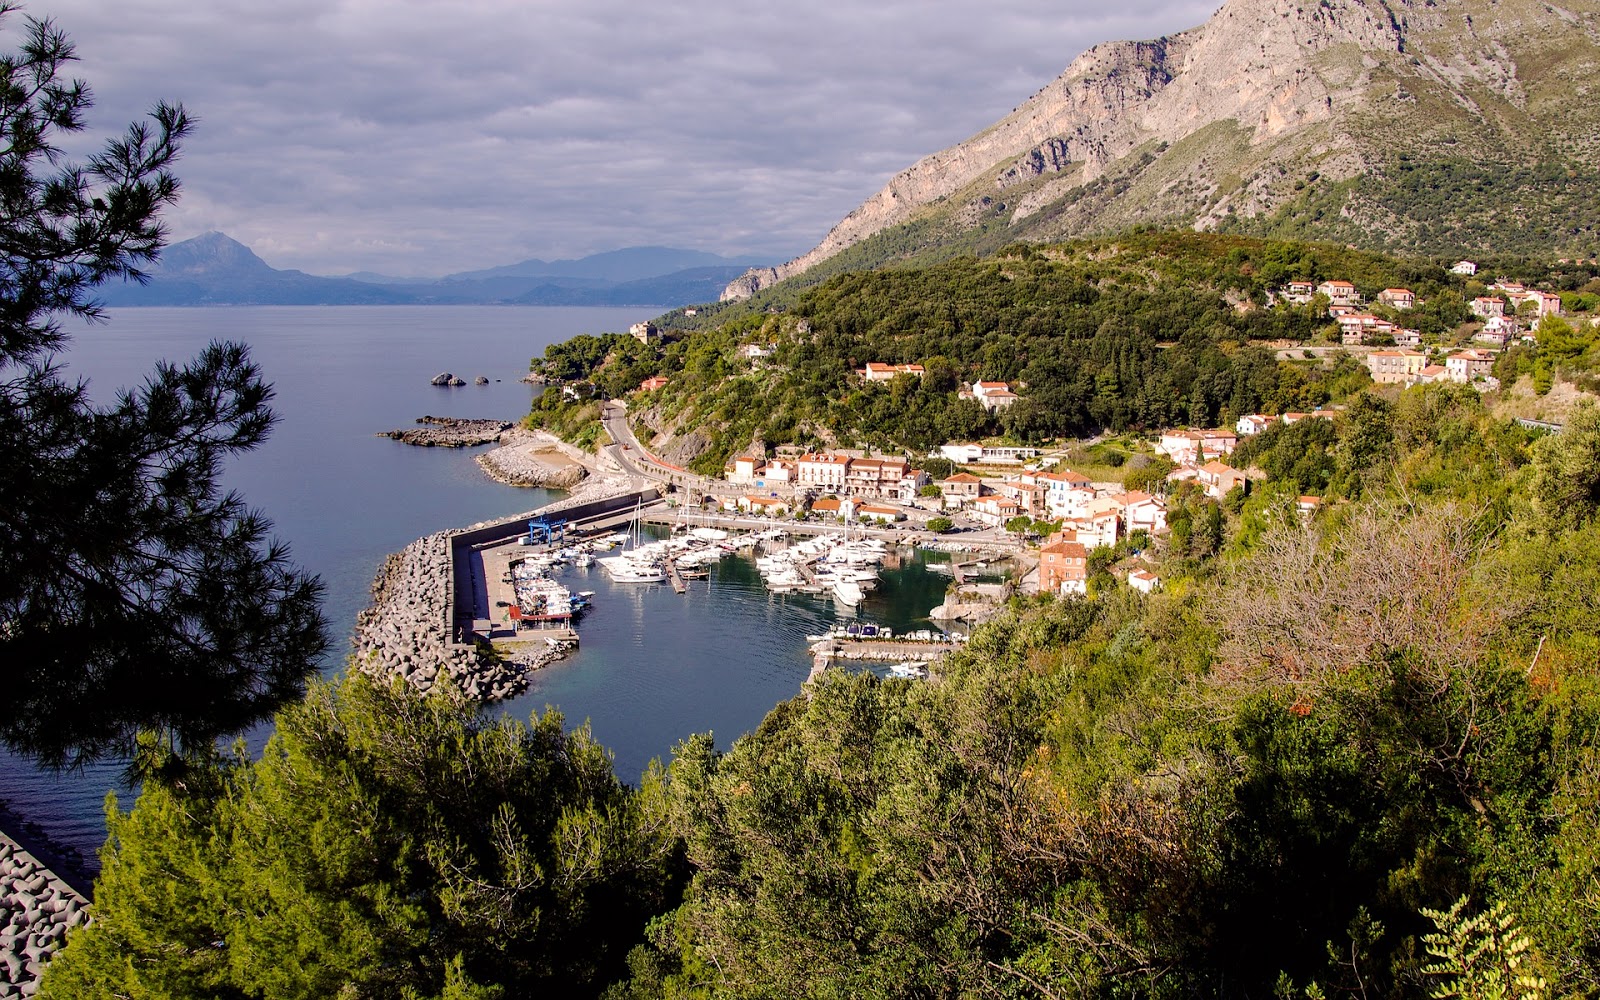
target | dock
[
  {"x": 879, "y": 649},
  {"x": 675, "y": 578}
]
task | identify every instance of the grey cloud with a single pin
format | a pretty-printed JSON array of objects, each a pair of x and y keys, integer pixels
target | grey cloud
[{"x": 409, "y": 137}]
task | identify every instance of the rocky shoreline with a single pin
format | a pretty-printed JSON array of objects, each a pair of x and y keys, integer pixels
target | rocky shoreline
[
  {"x": 37, "y": 910},
  {"x": 534, "y": 458},
  {"x": 450, "y": 432}
]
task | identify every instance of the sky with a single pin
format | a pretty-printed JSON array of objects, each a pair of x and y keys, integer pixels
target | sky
[{"x": 420, "y": 139}]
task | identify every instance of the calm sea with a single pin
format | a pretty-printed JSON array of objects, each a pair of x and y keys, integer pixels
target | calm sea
[{"x": 653, "y": 667}]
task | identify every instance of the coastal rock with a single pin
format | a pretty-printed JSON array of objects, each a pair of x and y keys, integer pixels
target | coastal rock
[
  {"x": 450, "y": 432},
  {"x": 443, "y": 378},
  {"x": 481, "y": 380}
]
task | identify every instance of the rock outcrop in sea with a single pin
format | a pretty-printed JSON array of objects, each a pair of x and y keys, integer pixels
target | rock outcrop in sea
[{"x": 450, "y": 432}]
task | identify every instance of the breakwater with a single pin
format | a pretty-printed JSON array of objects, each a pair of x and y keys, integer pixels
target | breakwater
[
  {"x": 429, "y": 602},
  {"x": 37, "y": 909}
]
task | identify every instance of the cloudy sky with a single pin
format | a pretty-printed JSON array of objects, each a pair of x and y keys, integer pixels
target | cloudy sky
[{"x": 420, "y": 138}]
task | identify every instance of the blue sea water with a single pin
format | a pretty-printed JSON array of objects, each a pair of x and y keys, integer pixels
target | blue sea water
[{"x": 653, "y": 666}]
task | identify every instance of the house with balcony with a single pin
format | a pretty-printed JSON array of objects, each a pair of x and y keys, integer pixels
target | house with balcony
[
  {"x": 1464, "y": 366},
  {"x": 1396, "y": 367},
  {"x": 1340, "y": 293},
  {"x": 1397, "y": 298}
]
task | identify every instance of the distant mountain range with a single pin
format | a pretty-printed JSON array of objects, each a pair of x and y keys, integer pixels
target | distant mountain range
[{"x": 213, "y": 269}]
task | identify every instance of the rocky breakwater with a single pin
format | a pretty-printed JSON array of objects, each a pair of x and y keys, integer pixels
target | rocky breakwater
[
  {"x": 36, "y": 911},
  {"x": 534, "y": 458},
  {"x": 450, "y": 432},
  {"x": 407, "y": 631}
]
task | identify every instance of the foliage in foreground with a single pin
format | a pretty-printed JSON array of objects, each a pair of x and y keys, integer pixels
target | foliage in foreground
[
  {"x": 1277, "y": 778},
  {"x": 137, "y": 594},
  {"x": 385, "y": 845}
]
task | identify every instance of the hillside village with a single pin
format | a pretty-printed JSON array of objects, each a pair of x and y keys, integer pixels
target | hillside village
[{"x": 1031, "y": 492}]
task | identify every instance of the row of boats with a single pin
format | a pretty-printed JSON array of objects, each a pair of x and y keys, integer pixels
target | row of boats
[{"x": 839, "y": 565}]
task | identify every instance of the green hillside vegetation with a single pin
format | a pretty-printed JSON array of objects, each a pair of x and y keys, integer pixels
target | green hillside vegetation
[
  {"x": 1149, "y": 330},
  {"x": 1259, "y": 782}
]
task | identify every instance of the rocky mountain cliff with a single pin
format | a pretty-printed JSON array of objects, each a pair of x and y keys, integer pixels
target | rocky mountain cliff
[{"x": 1310, "y": 115}]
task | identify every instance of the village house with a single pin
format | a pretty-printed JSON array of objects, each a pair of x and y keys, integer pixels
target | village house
[
  {"x": 1499, "y": 331},
  {"x": 1465, "y": 268},
  {"x": 878, "y": 476},
  {"x": 877, "y": 372},
  {"x": 645, "y": 332},
  {"x": 1339, "y": 293},
  {"x": 1464, "y": 366},
  {"x": 1359, "y": 328},
  {"x": 994, "y": 510},
  {"x": 653, "y": 382},
  {"x": 1308, "y": 506},
  {"x": 1407, "y": 338},
  {"x": 754, "y": 352},
  {"x": 1485, "y": 307},
  {"x": 779, "y": 470},
  {"x": 960, "y": 489},
  {"x": 993, "y": 395},
  {"x": 979, "y": 454},
  {"x": 1396, "y": 367},
  {"x": 1545, "y": 303},
  {"x": 1029, "y": 496},
  {"x": 879, "y": 512},
  {"x": 1433, "y": 373},
  {"x": 1299, "y": 292},
  {"x": 1065, "y": 491},
  {"x": 770, "y": 506},
  {"x": 1253, "y": 423},
  {"x": 1100, "y": 523},
  {"x": 1319, "y": 414},
  {"x": 822, "y": 469},
  {"x": 1217, "y": 479},
  {"x": 1397, "y": 298},
  {"x": 1144, "y": 581},
  {"x": 1142, "y": 512},
  {"x": 833, "y": 507},
  {"x": 743, "y": 469},
  {"x": 1189, "y": 447},
  {"x": 1064, "y": 568}
]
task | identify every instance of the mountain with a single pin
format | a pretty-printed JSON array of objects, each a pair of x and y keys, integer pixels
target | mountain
[
  {"x": 1428, "y": 126},
  {"x": 213, "y": 269},
  {"x": 628, "y": 264}
]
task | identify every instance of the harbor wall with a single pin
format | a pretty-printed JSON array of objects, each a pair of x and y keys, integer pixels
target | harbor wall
[{"x": 458, "y": 612}]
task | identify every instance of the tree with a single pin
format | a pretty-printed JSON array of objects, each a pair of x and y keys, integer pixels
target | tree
[
  {"x": 385, "y": 845},
  {"x": 940, "y": 524},
  {"x": 137, "y": 595}
]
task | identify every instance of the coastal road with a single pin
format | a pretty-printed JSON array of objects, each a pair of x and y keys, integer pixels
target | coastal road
[{"x": 636, "y": 461}]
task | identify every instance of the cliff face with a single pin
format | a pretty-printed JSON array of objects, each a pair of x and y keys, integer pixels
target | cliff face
[{"x": 1294, "y": 81}]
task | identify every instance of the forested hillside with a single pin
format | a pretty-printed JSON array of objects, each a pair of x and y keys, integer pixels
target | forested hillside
[
  {"x": 1145, "y": 331},
  {"x": 1352, "y": 754}
]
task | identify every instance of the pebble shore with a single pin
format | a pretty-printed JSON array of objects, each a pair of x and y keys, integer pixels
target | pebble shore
[{"x": 36, "y": 911}]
